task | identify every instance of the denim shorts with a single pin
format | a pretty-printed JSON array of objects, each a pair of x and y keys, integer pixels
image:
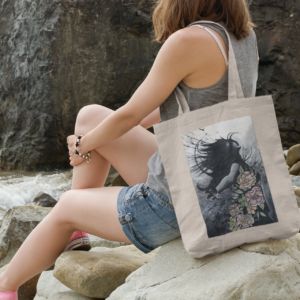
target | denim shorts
[{"x": 147, "y": 217}]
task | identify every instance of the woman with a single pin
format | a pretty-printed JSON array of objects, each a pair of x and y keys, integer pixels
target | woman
[
  {"x": 245, "y": 205},
  {"x": 142, "y": 213}
]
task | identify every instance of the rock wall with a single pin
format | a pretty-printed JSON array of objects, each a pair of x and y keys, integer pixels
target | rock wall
[
  {"x": 58, "y": 56},
  {"x": 278, "y": 34}
]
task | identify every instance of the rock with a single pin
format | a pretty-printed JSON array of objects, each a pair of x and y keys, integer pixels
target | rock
[
  {"x": 296, "y": 181},
  {"x": 278, "y": 34},
  {"x": 298, "y": 202},
  {"x": 297, "y": 192},
  {"x": 114, "y": 178},
  {"x": 44, "y": 200},
  {"x": 70, "y": 295},
  {"x": 26, "y": 291},
  {"x": 42, "y": 87},
  {"x": 100, "y": 271},
  {"x": 49, "y": 287},
  {"x": 109, "y": 39},
  {"x": 119, "y": 181},
  {"x": 285, "y": 153},
  {"x": 296, "y": 184},
  {"x": 2, "y": 214},
  {"x": 112, "y": 175},
  {"x": 17, "y": 224},
  {"x": 295, "y": 169},
  {"x": 258, "y": 271},
  {"x": 293, "y": 156},
  {"x": 45, "y": 82},
  {"x": 99, "y": 242}
]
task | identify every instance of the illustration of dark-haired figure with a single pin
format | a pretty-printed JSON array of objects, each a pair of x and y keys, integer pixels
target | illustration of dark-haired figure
[{"x": 246, "y": 197}]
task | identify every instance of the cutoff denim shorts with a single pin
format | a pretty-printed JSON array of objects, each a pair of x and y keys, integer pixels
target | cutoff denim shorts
[{"x": 147, "y": 217}]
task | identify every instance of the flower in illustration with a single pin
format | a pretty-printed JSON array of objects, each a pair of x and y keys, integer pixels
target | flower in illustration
[
  {"x": 251, "y": 209},
  {"x": 243, "y": 221},
  {"x": 255, "y": 197},
  {"x": 250, "y": 220},
  {"x": 246, "y": 180},
  {"x": 235, "y": 210}
]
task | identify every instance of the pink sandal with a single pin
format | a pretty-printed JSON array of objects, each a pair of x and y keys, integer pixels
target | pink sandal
[
  {"x": 79, "y": 241},
  {"x": 9, "y": 295}
]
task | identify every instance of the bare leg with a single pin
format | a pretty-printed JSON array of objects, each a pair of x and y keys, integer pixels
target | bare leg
[
  {"x": 129, "y": 153},
  {"x": 85, "y": 207},
  {"x": 97, "y": 215}
]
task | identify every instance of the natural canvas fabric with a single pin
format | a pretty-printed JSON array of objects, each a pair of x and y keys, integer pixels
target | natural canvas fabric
[{"x": 233, "y": 147}]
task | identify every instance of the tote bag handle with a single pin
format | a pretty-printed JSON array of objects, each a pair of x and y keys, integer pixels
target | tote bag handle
[{"x": 235, "y": 90}]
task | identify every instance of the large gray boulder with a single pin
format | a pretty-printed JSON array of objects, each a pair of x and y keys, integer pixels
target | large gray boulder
[
  {"x": 258, "y": 271},
  {"x": 58, "y": 56},
  {"x": 17, "y": 224}
]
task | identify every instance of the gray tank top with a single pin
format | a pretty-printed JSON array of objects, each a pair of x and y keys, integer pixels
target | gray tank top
[{"x": 246, "y": 54}]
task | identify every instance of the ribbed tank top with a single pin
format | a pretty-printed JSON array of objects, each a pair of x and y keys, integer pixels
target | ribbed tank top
[{"x": 246, "y": 54}]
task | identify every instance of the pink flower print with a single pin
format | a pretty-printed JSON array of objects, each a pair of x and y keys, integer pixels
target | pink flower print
[
  {"x": 255, "y": 197},
  {"x": 235, "y": 210},
  {"x": 243, "y": 221},
  {"x": 246, "y": 180}
]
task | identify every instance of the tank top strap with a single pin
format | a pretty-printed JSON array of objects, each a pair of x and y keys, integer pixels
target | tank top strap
[{"x": 217, "y": 40}]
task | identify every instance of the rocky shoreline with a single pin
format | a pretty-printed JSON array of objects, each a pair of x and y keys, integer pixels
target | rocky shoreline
[{"x": 113, "y": 270}]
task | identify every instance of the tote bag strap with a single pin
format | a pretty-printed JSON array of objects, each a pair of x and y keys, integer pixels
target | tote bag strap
[{"x": 235, "y": 90}]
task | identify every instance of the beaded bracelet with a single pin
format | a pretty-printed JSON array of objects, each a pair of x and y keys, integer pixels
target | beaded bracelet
[{"x": 88, "y": 157}]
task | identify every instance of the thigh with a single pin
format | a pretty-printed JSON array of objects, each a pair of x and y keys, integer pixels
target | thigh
[
  {"x": 97, "y": 214},
  {"x": 129, "y": 153}
]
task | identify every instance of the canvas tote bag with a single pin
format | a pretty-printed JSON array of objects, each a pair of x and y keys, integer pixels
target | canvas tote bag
[{"x": 226, "y": 171}]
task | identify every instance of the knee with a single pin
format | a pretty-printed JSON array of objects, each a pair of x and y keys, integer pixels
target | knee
[
  {"x": 61, "y": 210},
  {"x": 88, "y": 112}
]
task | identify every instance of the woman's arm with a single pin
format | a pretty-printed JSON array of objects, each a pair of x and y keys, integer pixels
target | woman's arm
[
  {"x": 229, "y": 179},
  {"x": 151, "y": 119},
  {"x": 226, "y": 182},
  {"x": 171, "y": 65}
]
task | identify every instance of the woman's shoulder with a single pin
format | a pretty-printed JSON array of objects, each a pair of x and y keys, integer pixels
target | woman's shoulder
[
  {"x": 188, "y": 45},
  {"x": 187, "y": 37}
]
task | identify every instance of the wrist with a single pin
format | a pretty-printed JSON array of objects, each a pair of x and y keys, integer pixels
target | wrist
[
  {"x": 83, "y": 145},
  {"x": 79, "y": 152}
]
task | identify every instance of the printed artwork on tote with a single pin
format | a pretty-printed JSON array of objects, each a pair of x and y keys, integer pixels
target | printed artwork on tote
[{"x": 229, "y": 176}]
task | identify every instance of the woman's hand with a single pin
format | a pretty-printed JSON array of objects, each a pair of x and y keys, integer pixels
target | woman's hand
[
  {"x": 75, "y": 159},
  {"x": 213, "y": 194}
]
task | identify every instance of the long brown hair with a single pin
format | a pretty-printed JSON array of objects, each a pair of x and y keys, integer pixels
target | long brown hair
[{"x": 172, "y": 15}]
